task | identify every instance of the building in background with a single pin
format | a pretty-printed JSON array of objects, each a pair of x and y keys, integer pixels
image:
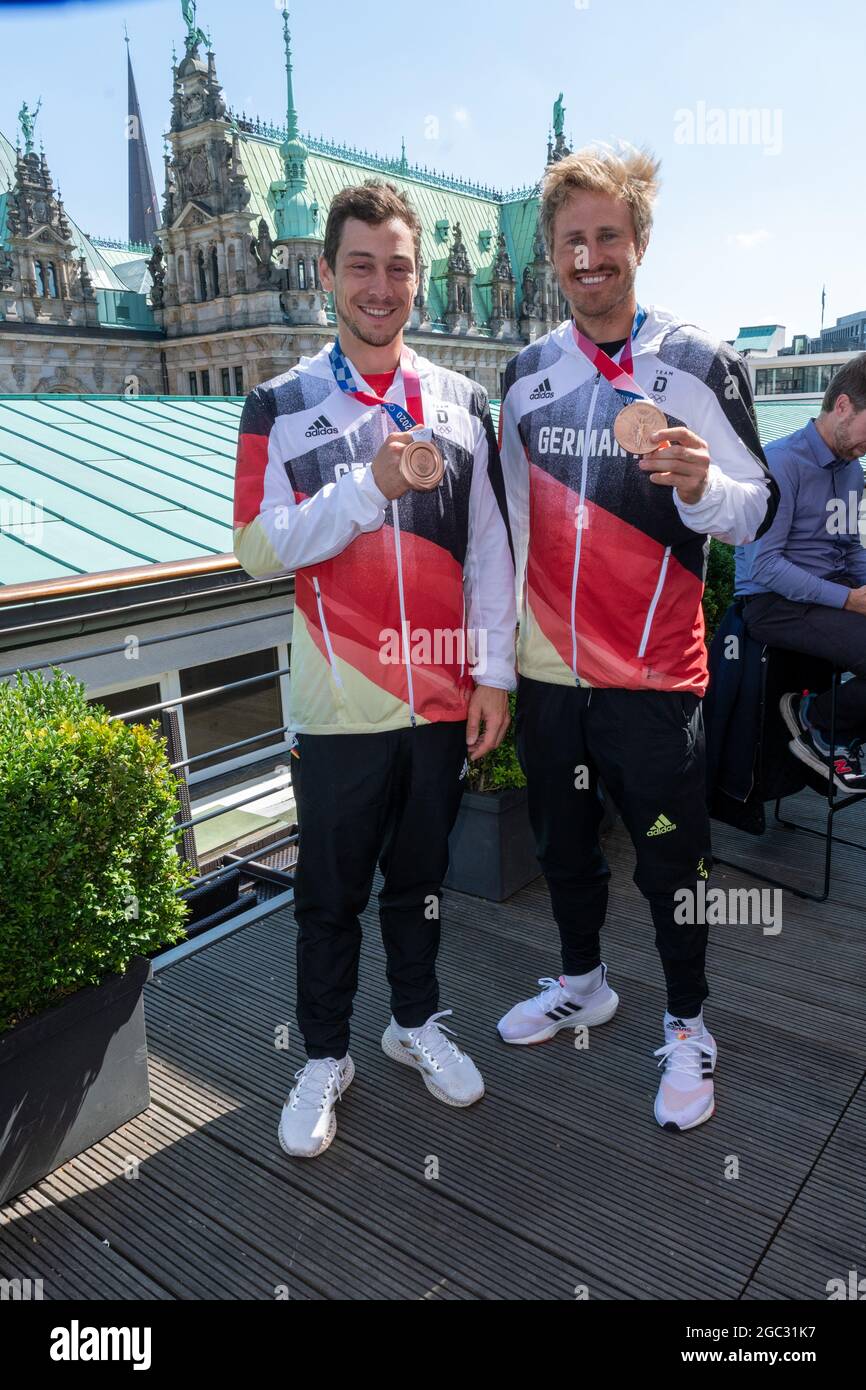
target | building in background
[
  {"x": 228, "y": 293},
  {"x": 807, "y": 367},
  {"x": 766, "y": 339},
  {"x": 802, "y": 374},
  {"x": 848, "y": 334}
]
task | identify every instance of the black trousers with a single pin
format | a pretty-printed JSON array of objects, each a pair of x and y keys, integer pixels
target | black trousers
[
  {"x": 647, "y": 746},
  {"x": 837, "y": 635},
  {"x": 394, "y": 797}
]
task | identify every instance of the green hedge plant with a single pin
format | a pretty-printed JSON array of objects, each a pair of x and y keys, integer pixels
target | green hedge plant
[
  {"x": 719, "y": 590},
  {"x": 89, "y": 871},
  {"x": 498, "y": 769}
]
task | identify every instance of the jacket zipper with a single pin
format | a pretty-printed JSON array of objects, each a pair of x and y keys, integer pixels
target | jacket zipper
[
  {"x": 403, "y": 622},
  {"x": 655, "y": 598},
  {"x": 579, "y": 528},
  {"x": 325, "y": 633}
]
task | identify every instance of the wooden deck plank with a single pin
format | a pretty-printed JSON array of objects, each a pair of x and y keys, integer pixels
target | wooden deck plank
[{"x": 559, "y": 1178}]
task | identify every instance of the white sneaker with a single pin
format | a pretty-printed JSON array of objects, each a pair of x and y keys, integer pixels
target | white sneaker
[
  {"x": 685, "y": 1096},
  {"x": 308, "y": 1123},
  {"x": 535, "y": 1020},
  {"x": 446, "y": 1071}
]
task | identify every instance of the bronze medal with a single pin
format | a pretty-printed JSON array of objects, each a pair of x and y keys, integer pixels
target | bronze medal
[
  {"x": 634, "y": 425},
  {"x": 422, "y": 465}
]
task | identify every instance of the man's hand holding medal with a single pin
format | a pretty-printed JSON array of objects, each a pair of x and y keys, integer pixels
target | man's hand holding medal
[
  {"x": 408, "y": 461},
  {"x": 685, "y": 464},
  {"x": 641, "y": 428}
]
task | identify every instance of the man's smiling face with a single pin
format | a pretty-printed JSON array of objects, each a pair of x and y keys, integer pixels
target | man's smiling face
[
  {"x": 373, "y": 281},
  {"x": 595, "y": 254}
]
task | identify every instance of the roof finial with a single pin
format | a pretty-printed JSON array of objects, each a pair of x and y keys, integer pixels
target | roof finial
[{"x": 291, "y": 114}]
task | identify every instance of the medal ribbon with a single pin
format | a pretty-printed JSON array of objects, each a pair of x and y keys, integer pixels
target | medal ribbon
[
  {"x": 404, "y": 419},
  {"x": 618, "y": 373}
]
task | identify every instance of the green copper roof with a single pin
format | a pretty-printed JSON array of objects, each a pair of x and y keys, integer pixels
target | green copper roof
[
  {"x": 754, "y": 339},
  {"x": 434, "y": 203},
  {"x": 118, "y": 481},
  {"x": 124, "y": 482}
]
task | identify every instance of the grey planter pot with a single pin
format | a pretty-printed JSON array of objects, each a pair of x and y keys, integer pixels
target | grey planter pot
[
  {"x": 70, "y": 1076},
  {"x": 492, "y": 847}
]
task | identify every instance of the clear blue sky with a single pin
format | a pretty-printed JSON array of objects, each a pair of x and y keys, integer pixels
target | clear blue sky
[{"x": 743, "y": 234}]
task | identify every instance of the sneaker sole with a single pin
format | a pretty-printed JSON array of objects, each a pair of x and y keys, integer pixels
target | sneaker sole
[
  {"x": 817, "y": 764},
  {"x": 332, "y": 1127},
  {"x": 584, "y": 1019},
  {"x": 786, "y": 707},
  {"x": 681, "y": 1129},
  {"x": 398, "y": 1053},
  {"x": 673, "y": 1128}
]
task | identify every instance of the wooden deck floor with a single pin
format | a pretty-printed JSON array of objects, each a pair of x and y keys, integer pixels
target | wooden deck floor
[{"x": 558, "y": 1178}]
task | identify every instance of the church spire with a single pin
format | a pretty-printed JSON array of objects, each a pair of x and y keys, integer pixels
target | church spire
[{"x": 143, "y": 216}]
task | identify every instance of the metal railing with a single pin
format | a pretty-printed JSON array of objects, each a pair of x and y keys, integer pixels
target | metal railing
[{"x": 233, "y": 861}]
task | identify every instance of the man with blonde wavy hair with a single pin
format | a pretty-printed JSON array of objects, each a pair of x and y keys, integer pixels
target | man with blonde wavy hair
[{"x": 628, "y": 437}]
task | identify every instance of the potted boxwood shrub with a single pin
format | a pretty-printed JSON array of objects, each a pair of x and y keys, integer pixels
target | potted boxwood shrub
[
  {"x": 89, "y": 876},
  {"x": 492, "y": 849}
]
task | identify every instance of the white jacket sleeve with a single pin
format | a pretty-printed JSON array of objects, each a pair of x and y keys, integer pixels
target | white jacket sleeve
[
  {"x": 740, "y": 499},
  {"x": 488, "y": 570},
  {"x": 274, "y": 533},
  {"x": 515, "y": 472}
]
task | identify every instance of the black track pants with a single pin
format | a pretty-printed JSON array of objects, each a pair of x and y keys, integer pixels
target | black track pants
[
  {"x": 647, "y": 747},
  {"x": 394, "y": 797}
]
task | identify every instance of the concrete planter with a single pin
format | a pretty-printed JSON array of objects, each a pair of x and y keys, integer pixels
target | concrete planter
[
  {"x": 70, "y": 1076},
  {"x": 492, "y": 846}
]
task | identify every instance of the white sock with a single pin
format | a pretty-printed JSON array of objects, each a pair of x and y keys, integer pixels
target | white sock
[
  {"x": 583, "y": 984},
  {"x": 696, "y": 1024},
  {"x": 403, "y": 1033}
]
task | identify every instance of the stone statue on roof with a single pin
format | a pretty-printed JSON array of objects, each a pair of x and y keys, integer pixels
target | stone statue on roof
[
  {"x": 558, "y": 116},
  {"x": 27, "y": 120},
  {"x": 194, "y": 35},
  {"x": 156, "y": 267},
  {"x": 262, "y": 251}
]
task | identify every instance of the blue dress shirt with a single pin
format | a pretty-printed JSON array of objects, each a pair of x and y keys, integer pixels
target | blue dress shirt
[{"x": 810, "y": 554}]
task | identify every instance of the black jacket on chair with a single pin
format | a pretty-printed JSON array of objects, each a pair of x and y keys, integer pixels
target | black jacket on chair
[{"x": 748, "y": 760}]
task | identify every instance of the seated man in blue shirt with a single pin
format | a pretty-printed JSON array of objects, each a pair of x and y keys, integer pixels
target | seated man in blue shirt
[{"x": 804, "y": 581}]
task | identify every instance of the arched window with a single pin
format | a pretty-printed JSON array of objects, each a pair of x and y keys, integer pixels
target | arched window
[
  {"x": 214, "y": 271},
  {"x": 302, "y": 273},
  {"x": 202, "y": 278},
  {"x": 52, "y": 281},
  {"x": 316, "y": 284},
  {"x": 41, "y": 280}
]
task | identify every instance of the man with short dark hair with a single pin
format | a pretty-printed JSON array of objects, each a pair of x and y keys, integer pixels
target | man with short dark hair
[
  {"x": 403, "y": 642},
  {"x": 804, "y": 581}
]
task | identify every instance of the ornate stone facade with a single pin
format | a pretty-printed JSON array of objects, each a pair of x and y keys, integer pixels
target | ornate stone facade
[
  {"x": 44, "y": 279},
  {"x": 239, "y": 299}
]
